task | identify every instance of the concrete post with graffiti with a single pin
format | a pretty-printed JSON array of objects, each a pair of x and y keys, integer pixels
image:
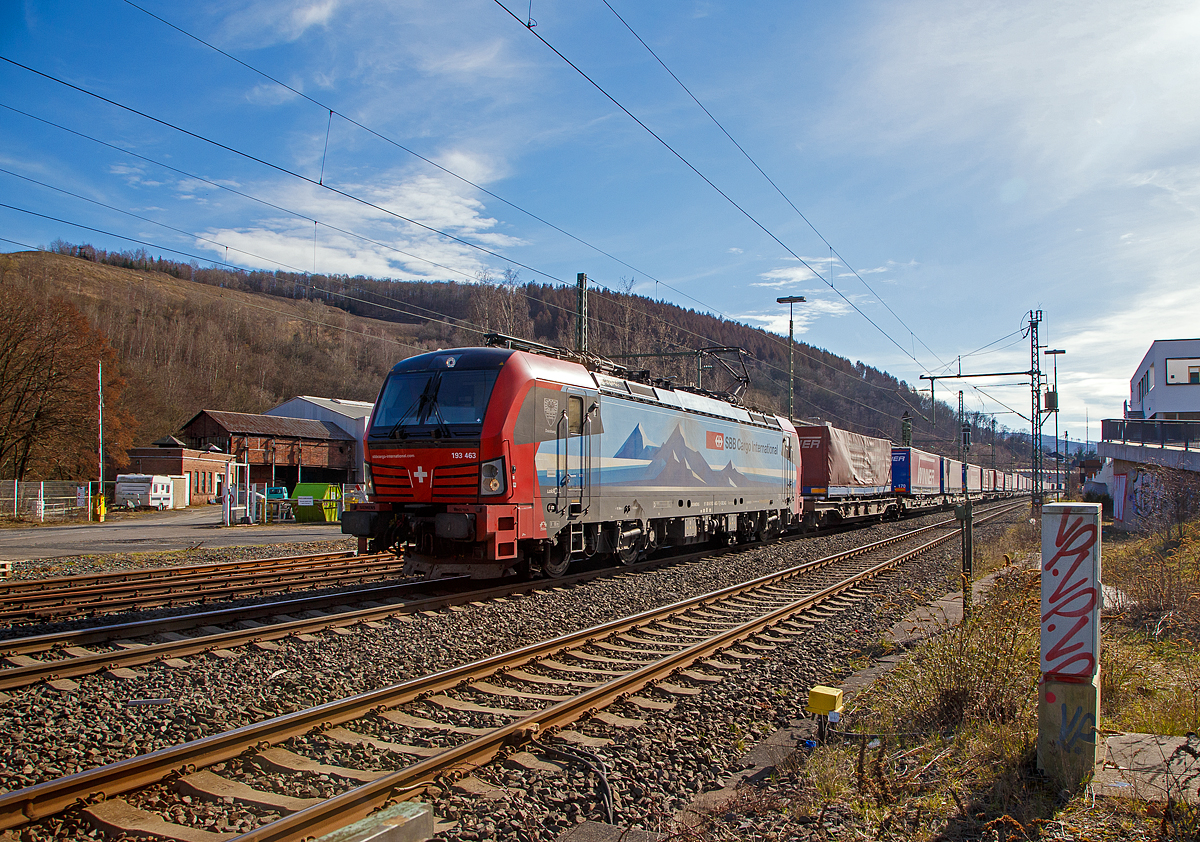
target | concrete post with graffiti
[{"x": 1069, "y": 690}]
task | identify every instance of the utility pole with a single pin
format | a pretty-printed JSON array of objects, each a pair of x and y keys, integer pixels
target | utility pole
[
  {"x": 1035, "y": 382},
  {"x": 961, "y": 427},
  {"x": 993, "y": 441},
  {"x": 581, "y": 337},
  {"x": 100, "y": 399},
  {"x": 1052, "y": 406},
  {"x": 790, "y": 300}
]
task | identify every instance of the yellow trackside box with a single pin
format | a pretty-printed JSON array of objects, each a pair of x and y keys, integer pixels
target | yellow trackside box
[{"x": 824, "y": 700}]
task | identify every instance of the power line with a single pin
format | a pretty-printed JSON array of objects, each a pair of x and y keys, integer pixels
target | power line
[
  {"x": 375, "y": 133},
  {"x": 308, "y": 180},
  {"x": 769, "y": 180},
  {"x": 187, "y": 174},
  {"x": 300, "y": 215},
  {"x": 146, "y": 219},
  {"x": 709, "y": 182},
  {"x": 279, "y": 168}
]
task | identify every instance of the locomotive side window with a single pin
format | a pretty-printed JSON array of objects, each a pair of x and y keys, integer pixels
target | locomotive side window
[{"x": 575, "y": 415}]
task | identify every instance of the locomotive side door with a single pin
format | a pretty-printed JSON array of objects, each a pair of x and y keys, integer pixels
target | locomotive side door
[{"x": 571, "y": 457}]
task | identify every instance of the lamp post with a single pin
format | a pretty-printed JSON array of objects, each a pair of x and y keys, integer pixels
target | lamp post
[
  {"x": 1058, "y": 455},
  {"x": 789, "y": 300}
]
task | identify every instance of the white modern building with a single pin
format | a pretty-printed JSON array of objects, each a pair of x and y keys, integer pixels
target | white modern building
[
  {"x": 1166, "y": 386},
  {"x": 351, "y": 416}
]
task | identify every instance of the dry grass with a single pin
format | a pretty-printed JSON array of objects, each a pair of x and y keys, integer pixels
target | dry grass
[
  {"x": 1161, "y": 584},
  {"x": 944, "y": 746}
]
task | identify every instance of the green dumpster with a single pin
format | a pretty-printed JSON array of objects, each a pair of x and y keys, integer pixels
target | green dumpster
[{"x": 316, "y": 502}]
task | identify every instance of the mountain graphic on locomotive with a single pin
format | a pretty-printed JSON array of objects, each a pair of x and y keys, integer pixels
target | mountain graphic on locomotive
[{"x": 508, "y": 460}]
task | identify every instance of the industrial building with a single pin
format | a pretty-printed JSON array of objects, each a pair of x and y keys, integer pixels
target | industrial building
[
  {"x": 281, "y": 451},
  {"x": 1166, "y": 386}
]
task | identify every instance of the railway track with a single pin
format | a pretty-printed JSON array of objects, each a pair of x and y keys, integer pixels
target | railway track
[
  {"x": 43, "y": 599},
  {"x": 62, "y": 656},
  {"x": 459, "y": 719}
]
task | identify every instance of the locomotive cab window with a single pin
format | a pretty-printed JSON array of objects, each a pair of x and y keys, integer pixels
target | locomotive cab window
[
  {"x": 575, "y": 415},
  {"x": 426, "y": 404}
]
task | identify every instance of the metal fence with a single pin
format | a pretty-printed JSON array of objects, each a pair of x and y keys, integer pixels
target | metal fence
[
  {"x": 1185, "y": 434},
  {"x": 47, "y": 501}
]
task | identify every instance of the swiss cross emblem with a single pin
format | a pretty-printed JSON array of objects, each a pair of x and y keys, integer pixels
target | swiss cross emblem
[{"x": 420, "y": 474}]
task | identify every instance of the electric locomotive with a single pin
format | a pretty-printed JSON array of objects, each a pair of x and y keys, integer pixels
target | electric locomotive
[{"x": 496, "y": 461}]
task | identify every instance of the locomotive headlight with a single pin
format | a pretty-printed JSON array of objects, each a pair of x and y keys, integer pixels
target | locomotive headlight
[{"x": 491, "y": 477}]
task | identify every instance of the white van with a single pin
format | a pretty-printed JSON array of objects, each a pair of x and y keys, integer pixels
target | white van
[{"x": 136, "y": 491}]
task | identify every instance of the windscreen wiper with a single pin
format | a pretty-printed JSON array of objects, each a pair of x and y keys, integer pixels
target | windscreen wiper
[{"x": 419, "y": 404}]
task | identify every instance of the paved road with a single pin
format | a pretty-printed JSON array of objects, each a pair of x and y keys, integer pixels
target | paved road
[{"x": 153, "y": 532}]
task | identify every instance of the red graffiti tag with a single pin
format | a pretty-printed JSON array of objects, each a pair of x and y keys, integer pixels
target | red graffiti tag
[{"x": 1073, "y": 599}]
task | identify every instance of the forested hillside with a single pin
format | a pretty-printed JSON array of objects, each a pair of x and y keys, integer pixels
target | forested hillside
[{"x": 186, "y": 338}]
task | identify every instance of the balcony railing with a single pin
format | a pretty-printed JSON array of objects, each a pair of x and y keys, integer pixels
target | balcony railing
[{"x": 1181, "y": 434}]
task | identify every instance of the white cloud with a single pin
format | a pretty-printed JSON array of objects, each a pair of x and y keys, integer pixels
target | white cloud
[
  {"x": 401, "y": 249},
  {"x": 785, "y": 277},
  {"x": 268, "y": 93},
  {"x": 804, "y": 314},
  {"x": 734, "y": 250},
  {"x": 1071, "y": 92},
  {"x": 267, "y": 22}
]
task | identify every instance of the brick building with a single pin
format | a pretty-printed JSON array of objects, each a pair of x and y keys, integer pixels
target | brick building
[
  {"x": 171, "y": 456},
  {"x": 281, "y": 451}
]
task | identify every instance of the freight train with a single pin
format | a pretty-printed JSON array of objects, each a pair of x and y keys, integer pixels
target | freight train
[{"x": 520, "y": 458}]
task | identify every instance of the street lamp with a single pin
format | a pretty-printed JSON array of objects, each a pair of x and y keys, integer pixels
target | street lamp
[
  {"x": 789, "y": 300},
  {"x": 1058, "y": 454}
]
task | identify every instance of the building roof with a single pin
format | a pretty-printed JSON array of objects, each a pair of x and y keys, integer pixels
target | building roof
[
  {"x": 340, "y": 406},
  {"x": 245, "y": 423}
]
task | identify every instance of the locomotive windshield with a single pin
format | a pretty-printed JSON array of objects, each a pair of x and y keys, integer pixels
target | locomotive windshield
[{"x": 433, "y": 404}]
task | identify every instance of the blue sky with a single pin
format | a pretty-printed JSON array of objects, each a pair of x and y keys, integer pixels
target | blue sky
[{"x": 970, "y": 161}]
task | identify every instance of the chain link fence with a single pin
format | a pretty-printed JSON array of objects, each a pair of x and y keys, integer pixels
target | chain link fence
[{"x": 43, "y": 502}]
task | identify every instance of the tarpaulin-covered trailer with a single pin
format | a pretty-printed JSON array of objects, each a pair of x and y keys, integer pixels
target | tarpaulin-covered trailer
[
  {"x": 915, "y": 471},
  {"x": 952, "y": 476},
  {"x": 837, "y": 463},
  {"x": 844, "y": 475},
  {"x": 973, "y": 476}
]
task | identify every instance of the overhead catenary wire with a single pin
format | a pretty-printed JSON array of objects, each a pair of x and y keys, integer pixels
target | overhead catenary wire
[
  {"x": 777, "y": 188},
  {"x": 709, "y": 182},
  {"x": 320, "y": 180},
  {"x": 279, "y": 168},
  {"x": 284, "y": 170},
  {"x": 275, "y": 206},
  {"x": 354, "y": 198},
  {"x": 375, "y": 133}
]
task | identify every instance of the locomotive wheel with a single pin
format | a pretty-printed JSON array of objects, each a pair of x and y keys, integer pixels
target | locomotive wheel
[
  {"x": 557, "y": 559},
  {"x": 629, "y": 555}
]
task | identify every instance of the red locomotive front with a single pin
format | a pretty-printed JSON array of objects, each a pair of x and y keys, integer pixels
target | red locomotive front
[{"x": 443, "y": 479}]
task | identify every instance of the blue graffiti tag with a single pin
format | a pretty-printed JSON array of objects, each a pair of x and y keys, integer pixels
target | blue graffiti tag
[{"x": 1080, "y": 727}]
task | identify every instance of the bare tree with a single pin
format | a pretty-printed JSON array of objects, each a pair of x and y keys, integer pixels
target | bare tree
[{"x": 49, "y": 390}]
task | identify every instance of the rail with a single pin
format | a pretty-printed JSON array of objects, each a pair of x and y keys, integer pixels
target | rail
[{"x": 41, "y": 800}]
